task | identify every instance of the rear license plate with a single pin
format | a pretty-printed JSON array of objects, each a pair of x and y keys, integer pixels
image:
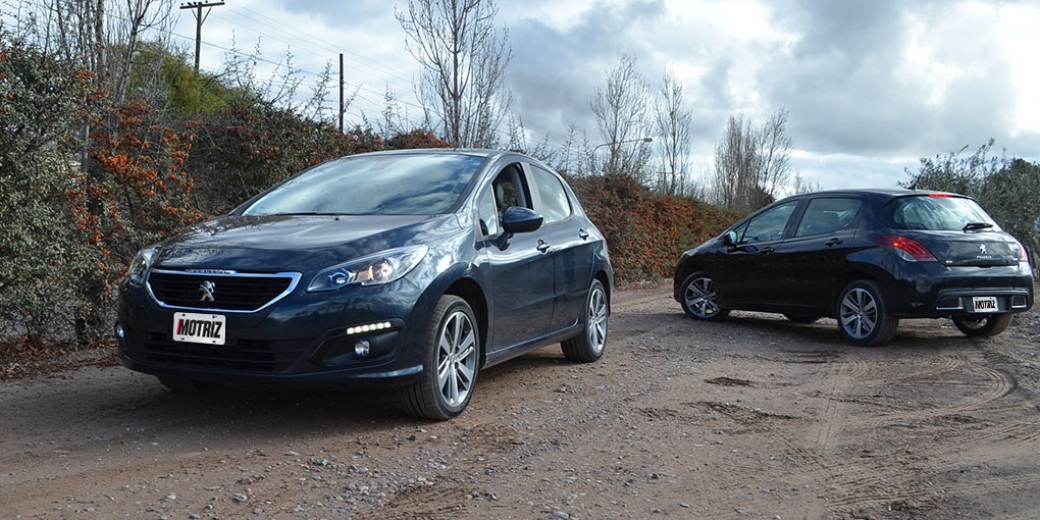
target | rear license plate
[
  {"x": 199, "y": 328},
  {"x": 984, "y": 304}
]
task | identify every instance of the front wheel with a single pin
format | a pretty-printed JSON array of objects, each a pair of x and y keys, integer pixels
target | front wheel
[
  {"x": 698, "y": 298},
  {"x": 982, "y": 326},
  {"x": 588, "y": 346},
  {"x": 863, "y": 315},
  {"x": 451, "y": 359}
]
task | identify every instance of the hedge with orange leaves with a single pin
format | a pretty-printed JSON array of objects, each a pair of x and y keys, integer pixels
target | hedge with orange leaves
[{"x": 646, "y": 231}]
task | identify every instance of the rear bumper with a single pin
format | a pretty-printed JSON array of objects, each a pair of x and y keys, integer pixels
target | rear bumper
[{"x": 946, "y": 292}]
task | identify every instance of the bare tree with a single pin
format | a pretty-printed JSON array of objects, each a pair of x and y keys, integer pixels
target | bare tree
[
  {"x": 464, "y": 61},
  {"x": 621, "y": 115},
  {"x": 673, "y": 120},
  {"x": 774, "y": 150},
  {"x": 752, "y": 167},
  {"x": 98, "y": 35}
]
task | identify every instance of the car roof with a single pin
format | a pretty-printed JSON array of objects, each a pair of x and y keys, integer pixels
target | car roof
[
  {"x": 884, "y": 193},
  {"x": 477, "y": 152}
]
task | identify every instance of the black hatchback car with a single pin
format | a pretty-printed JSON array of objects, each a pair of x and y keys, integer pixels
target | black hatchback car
[
  {"x": 409, "y": 269},
  {"x": 866, "y": 258}
]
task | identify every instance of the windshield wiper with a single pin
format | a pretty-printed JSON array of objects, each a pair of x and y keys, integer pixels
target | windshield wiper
[{"x": 972, "y": 226}]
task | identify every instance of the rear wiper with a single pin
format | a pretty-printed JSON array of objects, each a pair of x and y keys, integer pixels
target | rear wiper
[{"x": 972, "y": 226}]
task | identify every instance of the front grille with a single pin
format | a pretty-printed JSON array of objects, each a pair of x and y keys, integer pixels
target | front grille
[
  {"x": 237, "y": 292},
  {"x": 243, "y": 356}
]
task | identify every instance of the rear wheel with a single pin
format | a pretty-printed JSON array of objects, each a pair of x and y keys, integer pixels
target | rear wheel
[
  {"x": 863, "y": 315},
  {"x": 451, "y": 358},
  {"x": 589, "y": 345},
  {"x": 698, "y": 298},
  {"x": 982, "y": 326}
]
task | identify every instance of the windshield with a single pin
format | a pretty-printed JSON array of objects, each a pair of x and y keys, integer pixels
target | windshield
[
  {"x": 419, "y": 184},
  {"x": 937, "y": 213}
]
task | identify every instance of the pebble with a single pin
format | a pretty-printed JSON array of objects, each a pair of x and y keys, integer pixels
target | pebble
[{"x": 239, "y": 498}]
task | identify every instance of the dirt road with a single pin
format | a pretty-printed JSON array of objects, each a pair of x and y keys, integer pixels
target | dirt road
[{"x": 756, "y": 417}]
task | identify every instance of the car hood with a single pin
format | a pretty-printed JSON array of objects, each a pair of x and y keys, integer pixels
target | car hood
[{"x": 277, "y": 243}]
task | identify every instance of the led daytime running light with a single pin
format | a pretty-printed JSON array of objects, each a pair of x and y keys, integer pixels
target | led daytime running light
[{"x": 368, "y": 327}]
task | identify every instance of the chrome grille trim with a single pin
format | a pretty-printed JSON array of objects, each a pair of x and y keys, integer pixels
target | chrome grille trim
[{"x": 294, "y": 280}]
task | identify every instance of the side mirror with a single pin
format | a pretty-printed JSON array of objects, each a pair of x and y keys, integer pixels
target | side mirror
[
  {"x": 730, "y": 238},
  {"x": 520, "y": 220}
]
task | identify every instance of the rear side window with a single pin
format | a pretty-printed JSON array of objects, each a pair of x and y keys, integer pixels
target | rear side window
[
  {"x": 828, "y": 215},
  {"x": 935, "y": 213}
]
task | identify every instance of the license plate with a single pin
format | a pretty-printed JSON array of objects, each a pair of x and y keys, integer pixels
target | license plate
[
  {"x": 199, "y": 328},
  {"x": 984, "y": 303}
]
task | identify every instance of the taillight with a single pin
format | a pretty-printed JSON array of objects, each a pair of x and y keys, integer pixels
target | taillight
[
  {"x": 907, "y": 248},
  {"x": 1023, "y": 258}
]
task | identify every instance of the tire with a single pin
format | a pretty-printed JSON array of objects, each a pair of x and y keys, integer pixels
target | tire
[
  {"x": 698, "y": 298},
  {"x": 589, "y": 345},
  {"x": 451, "y": 361},
  {"x": 982, "y": 327},
  {"x": 863, "y": 315},
  {"x": 185, "y": 385},
  {"x": 802, "y": 318}
]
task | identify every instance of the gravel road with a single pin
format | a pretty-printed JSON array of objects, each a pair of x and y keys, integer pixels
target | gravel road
[{"x": 752, "y": 418}]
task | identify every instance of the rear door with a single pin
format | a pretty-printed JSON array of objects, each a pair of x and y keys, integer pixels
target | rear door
[
  {"x": 808, "y": 263},
  {"x": 571, "y": 252}
]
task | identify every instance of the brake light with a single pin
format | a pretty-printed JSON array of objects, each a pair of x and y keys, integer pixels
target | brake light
[
  {"x": 907, "y": 248},
  {"x": 1023, "y": 258},
  {"x": 939, "y": 195}
]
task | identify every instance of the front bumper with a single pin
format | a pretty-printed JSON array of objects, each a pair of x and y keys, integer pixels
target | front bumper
[{"x": 363, "y": 337}]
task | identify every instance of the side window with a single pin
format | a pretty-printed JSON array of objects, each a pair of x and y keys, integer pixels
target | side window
[
  {"x": 767, "y": 226},
  {"x": 555, "y": 205},
  {"x": 828, "y": 215},
  {"x": 505, "y": 188},
  {"x": 488, "y": 214}
]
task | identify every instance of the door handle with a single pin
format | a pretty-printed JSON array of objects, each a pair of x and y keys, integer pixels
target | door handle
[
  {"x": 543, "y": 246},
  {"x": 766, "y": 250},
  {"x": 832, "y": 242},
  {"x": 583, "y": 234}
]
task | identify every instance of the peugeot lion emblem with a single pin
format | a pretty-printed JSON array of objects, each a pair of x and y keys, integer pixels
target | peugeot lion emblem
[
  {"x": 207, "y": 288},
  {"x": 982, "y": 250}
]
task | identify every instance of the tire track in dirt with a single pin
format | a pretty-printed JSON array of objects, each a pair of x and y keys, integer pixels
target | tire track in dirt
[{"x": 859, "y": 485}]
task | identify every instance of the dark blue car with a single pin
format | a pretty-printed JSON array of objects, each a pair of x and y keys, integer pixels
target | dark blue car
[
  {"x": 866, "y": 258},
  {"x": 408, "y": 269}
]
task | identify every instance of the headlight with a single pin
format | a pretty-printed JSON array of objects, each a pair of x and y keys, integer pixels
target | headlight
[
  {"x": 138, "y": 269},
  {"x": 377, "y": 269}
]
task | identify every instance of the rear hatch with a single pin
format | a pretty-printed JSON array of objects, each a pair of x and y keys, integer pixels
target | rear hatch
[
  {"x": 970, "y": 248},
  {"x": 954, "y": 228}
]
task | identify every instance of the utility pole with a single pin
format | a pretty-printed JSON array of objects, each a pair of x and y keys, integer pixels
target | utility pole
[{"x": 199, "y": 18}]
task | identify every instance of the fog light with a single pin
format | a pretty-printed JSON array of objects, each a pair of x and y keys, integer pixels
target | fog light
[
  {"x": 120, "y": 333},
  {"x": 362, "y": 348}
]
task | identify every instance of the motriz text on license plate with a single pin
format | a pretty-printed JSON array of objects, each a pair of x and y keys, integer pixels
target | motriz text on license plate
[
  {"x": 984, "y": 304},
  {"x": 199, "y": 328}
]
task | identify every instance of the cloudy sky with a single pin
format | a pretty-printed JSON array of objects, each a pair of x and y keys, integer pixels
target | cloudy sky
[{"x": 870, "y": 86}]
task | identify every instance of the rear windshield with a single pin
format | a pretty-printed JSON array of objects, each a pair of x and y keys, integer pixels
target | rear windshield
[
  {"x": 411, "y": 184},
  {"x": 937, "y": 214}
]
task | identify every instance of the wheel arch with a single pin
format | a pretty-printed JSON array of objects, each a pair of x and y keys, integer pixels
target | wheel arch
[{"x": 468, "y": 289}]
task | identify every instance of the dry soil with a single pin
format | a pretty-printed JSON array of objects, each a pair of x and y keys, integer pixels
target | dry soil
[{"x": 755, "y": 417}]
